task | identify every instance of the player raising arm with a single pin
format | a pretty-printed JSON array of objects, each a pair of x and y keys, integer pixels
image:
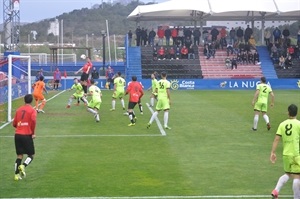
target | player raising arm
[
  {"x": 85, "y": 73},
  {"x": 79, "y": 93}
]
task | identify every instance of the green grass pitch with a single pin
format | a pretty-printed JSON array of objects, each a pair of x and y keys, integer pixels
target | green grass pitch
[{"x": 210, "y": 150}]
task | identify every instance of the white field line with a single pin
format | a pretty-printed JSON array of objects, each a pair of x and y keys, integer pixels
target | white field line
[
  {"x": 86, "y": 135},
  {"x": 161, "y": 129},
  {"x": 167, "y": 197},
  {"x": 7, "y": 123}
]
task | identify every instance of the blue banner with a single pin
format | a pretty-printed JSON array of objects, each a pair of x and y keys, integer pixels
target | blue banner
[{"x": 18, "y": 90}]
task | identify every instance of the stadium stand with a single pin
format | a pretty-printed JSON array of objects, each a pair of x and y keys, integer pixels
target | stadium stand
[{"x": 293, "y": 72}]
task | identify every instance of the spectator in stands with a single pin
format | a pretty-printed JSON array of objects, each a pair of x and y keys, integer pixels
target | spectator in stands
[
  {"x": 276, "y": 34},
  {"x": 172, "y": 53},
  {"x": 239, "y": 58},
  {"x": 228, "y": 63},
  {"x": 244, "y": 57},
  {"x": 291, "y": 51},
  {"x": 248, "y": 34},
  {"x": 39, "y": 74},
  {"x": 154, "y": 53},
  {"x": 191, "y": 52},
  {"x": 250, "y": 58},
  {"x": 161, "y": 53},
  {"x": 232, "y": 35},
  {"x": 160, "y": 35},
  {"x": 256, "y": 58},
  {"x": 206, "y": 51},
  {"x": 214, "y": 34},
  {"x": 240, "y": 34},
  {"x": 178, "y": 52},
  {"x": 188, "y": 33},
  {"x": 152, "y": 35},
  {"x": 286, "y": 33},
  {"x": 129, "y": 37},
  {"x": 167, "y": 55},
  {"x": 297, "y": 52},
  {"x": 205, "y": 36},
  {"x": 168, "y": 34},
  {"x": 174, "y": 34},
  {"x": 109, "y": 74},
  {"x": 288, "y": 62},
  {"x": 188, "y": 42},
  {"x": 138, "y": 35},
  {"x": 298, "y": 37},
  {"x": 180, "y": 37},
  {"x": 184, "y": 52},
  {"x": 229, "y": 49},
  {"x": 267, "y": 36},
  {"x": 252, "y": 43},
  {"x": 197, "y": 35},
  {"x": 95, "y": 73},
  {"x": 234, "y": 63},
  {"x": 223, "y": 34},
  {"x": 281, "y": 62},
  {"x": 56, "y": 78},
  {"x": 144, "y": 36}
]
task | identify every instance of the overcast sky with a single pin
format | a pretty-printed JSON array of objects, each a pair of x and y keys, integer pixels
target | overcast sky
[{"x": 35, "y": 10}]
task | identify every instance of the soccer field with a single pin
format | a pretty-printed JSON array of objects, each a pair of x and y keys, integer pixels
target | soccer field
[{"x": 210, "y": 152}]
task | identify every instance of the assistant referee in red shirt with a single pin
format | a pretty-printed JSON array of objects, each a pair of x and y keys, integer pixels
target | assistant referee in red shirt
[{"x": 24, "y": 123}]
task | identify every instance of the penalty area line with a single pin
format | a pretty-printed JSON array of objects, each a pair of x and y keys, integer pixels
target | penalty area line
[
  {"x": 54, "y": 96},
  {"x": 161, "y": 129}
]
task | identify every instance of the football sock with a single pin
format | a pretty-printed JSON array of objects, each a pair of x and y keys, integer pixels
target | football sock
[
  {"x": 153, "y": 117},
  {"x": 28, "y": 161},
  {"x": 256, "y": 117},
  {"x": 43, "y": 104},
  {"x": 296, "y": 188},
  {"x": 92, "y": 111},
  {"x": 84, "y": 99},
  {"x": 166, "y": 118},
  {"x": 36, "y": 104},
  {"x": 113, "y": 104},
  {"x": 70, "y": 101},
  {"x": 141, "y": 107},
  {"x": 17, "y": 164},
  {"x": 266, "y": 117},
  {"x": 151, "y": 101},
  {"x": 281, "y": 181},
  {"x": 131, "y": 117},
  {"x": 84, "y": 88},
  {"x": 122, "y": 102}
]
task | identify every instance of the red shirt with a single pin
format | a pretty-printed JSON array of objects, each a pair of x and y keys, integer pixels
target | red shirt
[
  {"x": 25, "y": 120},
  {"x": 160, "y": 33},
  {"x": 135, "y": 91},
  {"x": 161, "y": 51},
  {"x": 87, "y": 67},
  {"x": 174, "y": 32},
  {"x": 184, "y": 51}
]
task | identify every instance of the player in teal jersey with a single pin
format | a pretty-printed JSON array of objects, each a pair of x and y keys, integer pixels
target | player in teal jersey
[
  {"x": 153, "y": 89},
  {"x": 95, "y": 103},
  {"x": 79, "y": 93},
  {"x": 289, "y": 131},
  {"x": 260, "y": 102},
  {"x": 119, "y": 91},
  {"x": 164, "y": 100}
]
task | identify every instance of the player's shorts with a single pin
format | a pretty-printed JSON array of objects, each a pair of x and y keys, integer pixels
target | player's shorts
[
  {"x": 162, "y": 104},
  {"x": 84, "y": 77},
  {"x": 56, "y": 81},
  {"x": 291, "y": 164},
  {"x": 131, "y": 105},
  {"x": 24, "y": 144},
  {"x": 259, "y": 106},
  {"x": 118, "y": 94},
  {"x": 77, "y": 96},
  {"x": 38, "y": 96},
  {"x": 94, "y": 104}
]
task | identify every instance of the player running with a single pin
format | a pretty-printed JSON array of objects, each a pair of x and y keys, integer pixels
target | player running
[
  {"x": 139, "y": 102},
  {"x": 79, "y": 93},
  {"x": 260, "y": 102},
  {"x": 95, "y": 103},
  {"x": 153, "y": 89},
  {"x": 164, "y": 100},
  {"x": 119, "y": 91},
  {"x": 39, "y": 88},
  {"x": 135, "y": 91},
  {"x": 85, "y": 73}
]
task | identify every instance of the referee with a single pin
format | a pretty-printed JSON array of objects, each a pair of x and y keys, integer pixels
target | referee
[{"x": 24, "y": 123}]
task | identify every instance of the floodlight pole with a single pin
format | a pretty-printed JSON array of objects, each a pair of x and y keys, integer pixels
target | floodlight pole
[{"x": 103, "y": 33}]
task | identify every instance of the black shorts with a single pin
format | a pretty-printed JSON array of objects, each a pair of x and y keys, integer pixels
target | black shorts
[
  {"x": 84, "y": 77},
  {"x": 24, "y": 144},
  {"x": 131, "y": 105},
  {"x": 56, "y": 81}
]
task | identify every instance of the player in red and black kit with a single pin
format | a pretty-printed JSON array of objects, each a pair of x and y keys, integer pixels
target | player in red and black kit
[
  {"x": 135, "y": 91},
  {"x": 24, "y": 123},
  {"x": 86, "y": 69}
]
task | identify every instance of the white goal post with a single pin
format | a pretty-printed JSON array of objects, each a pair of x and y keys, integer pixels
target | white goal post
[{"x": 10, "y": 78}]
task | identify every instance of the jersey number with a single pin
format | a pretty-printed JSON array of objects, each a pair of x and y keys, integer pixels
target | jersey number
[
  {"x": 265, "y": 90},
  {"x": 23, "y": 114},
  {"x": 288, "y": 129},
  {"x": 161, "y": 85}
]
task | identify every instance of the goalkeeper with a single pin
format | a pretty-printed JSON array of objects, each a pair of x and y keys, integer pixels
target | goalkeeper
[{"x": 79, "y": 93}]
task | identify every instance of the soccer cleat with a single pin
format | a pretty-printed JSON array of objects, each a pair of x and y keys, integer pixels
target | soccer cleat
[
  {"x": 97, "y": 118},
  {"x": 112, "y": 109},
  {"x": 41, "y": 111},
  {"x": 148, "y": 125},
  {"x": 253, "y": 129},
  {"x": 131, "y": 124},
  {"x": 274, "y": 194},
  {"x": 167, "y": 127},
  {"x": 22, "y": 170},
  {"x": 17, "y": 177},
  {"x": 68, "y": 106},
  {"x": 142, "y": 113},
  {"x": 268, "y": 126}
]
